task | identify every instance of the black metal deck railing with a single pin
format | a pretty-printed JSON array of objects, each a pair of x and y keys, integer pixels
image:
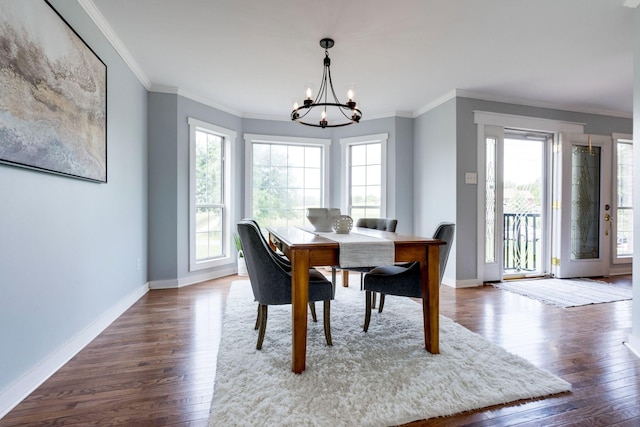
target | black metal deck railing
[{"x": 522, "y": 243}]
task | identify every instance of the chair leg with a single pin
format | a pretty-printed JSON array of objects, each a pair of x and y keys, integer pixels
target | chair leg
[
  {"x": 373, "y": 299},
  {"x": 263, "y": 325},
  {"x": 381, "y": 303},
  {"x": 367, "y": 310},
  {"x": 312, "y": 307},
  {"x": 327, "y": 321},
  {"x": 333, "y": 282},
  {"x": 257, "y": 319},
  {"x": 361, "y": 281}
]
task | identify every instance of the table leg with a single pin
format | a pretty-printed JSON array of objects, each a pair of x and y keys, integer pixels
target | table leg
[
  {"x": 299, "y": 301},
  {"x": 345, "y": 278},
  {"x": 431, "y": 305}
]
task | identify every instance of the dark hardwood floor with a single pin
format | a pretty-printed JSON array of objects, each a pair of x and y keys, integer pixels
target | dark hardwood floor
[{"x": 155, "y": 365}]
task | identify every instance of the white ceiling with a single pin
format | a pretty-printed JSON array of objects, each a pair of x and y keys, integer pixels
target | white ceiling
[{"x": 254, "y": 57}]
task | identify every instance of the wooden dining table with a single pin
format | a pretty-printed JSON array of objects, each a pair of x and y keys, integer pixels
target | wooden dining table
[{"x": 306, "y": 249}]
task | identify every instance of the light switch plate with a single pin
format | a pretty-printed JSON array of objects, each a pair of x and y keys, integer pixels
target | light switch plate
[{"x": 470, "y": 178}]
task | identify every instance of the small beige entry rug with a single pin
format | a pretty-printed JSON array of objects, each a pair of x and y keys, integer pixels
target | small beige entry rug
[
  {"x": 567, "y": 292},
  {"x": 379, "y": 378}
]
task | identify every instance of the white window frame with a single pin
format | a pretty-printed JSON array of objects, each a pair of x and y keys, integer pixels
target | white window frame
[
  {"x": 250, "y": 139},
  {"x": 229, "y": 138},
  {"x": 346, "y": 144},
  {"x": 615, "y": 259}
]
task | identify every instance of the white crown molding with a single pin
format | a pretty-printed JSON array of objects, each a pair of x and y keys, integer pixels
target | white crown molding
[
  {"x": 525, "y": 102},
  {"x": 435, "y": 103},
  {"x": 278, "y": 118},
  {"x": 111, "y": 36},
  {"x": 542, "y": 104},
  {"x": 631, "y": 3},
  {"x": 177, "y": 91}
]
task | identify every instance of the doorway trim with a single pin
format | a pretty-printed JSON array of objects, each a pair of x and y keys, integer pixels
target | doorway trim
[{"x": 484, "y": 119}]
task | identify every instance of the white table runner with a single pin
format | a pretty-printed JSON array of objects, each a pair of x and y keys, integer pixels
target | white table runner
[{"x": 359, "y": 250}]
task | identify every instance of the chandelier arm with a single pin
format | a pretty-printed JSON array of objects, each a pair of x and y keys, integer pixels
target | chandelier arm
[
  {"x": 323, "y": 87},
  {"x": 333, "y": 92}
]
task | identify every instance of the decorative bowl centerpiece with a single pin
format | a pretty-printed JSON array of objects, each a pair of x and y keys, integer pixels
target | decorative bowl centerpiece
[
  {"x": 322, "y": 219},
  {"x": 343, "y": 224}
]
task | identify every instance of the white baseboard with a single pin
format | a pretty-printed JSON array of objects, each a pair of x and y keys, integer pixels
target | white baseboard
[
  {"x": 25, "y": 385},
  {"x": 164, "y": 284},
  {"x": 469, "y": 283},
  {"x": 192, "y": 280},
  {"x": 633, "y": 344}
]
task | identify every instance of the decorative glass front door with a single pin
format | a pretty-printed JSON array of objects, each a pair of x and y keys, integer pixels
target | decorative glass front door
[{"x": 582, "y": 206}]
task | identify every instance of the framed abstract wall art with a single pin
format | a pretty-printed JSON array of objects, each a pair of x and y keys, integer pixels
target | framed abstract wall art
[{"x": 53, "y": 94}]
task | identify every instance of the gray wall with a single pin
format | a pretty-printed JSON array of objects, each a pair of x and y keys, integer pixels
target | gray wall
[
  {"x": 169, "y": 186},
  {"x": 467, "y": 161},
  {"x": 163, "y": 187},
  {"x": 69, "y": 249},
  {"x": 436, "y": 176}
]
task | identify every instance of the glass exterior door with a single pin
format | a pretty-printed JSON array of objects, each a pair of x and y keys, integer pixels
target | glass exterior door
[
  {"x": 525, "y": 202},
  {"x": 582, "y": 206}
]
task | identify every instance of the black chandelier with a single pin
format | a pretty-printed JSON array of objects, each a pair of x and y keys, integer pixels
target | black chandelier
[{"x": 332, "y": 113}]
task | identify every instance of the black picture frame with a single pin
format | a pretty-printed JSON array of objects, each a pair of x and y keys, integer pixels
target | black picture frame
[{"x": 53, "y": 108}]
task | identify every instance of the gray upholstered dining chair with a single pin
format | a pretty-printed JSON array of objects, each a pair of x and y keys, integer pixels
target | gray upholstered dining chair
[
  {"x": 271, "y": 280},
  {"x": 384, "y": 224},
  {"x": 404, "y": 279}
]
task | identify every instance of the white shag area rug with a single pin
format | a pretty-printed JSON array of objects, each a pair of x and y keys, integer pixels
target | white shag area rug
[
  {"x": 379, "y": 378},
  {"x": 567, "y": 292}
]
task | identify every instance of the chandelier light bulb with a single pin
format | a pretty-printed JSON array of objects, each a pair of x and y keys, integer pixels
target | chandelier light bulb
[{"x": 309, "y": 93}]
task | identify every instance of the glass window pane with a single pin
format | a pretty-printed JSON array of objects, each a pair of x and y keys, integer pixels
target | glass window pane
[
  {"x": 374, "y": 175},
  {"x": 215, "y": 244},
  {"x": 261, "y": 154},
  {"x": 296, "y": 198},
  {"x": 208, "y": 233},
  {"x": 373, "y": 195},
  {"x": 312, "y": 178},
  {"x": 358, "y": 155},
  {"x": 313, "y": 157},
  {"x": 358, "y": 213},
  {"x": 296, "y": 156},
  {"x": 278, "y": 155},
  {"x": 624, "y": 238},
  {"x": 202, "y": 220},
  {"x": 202, "y": 246},
  {"x": 358, "y": 175},
  {"x": 374, "y": 154},
  {"x": 312, "y": 199},
  {"x": 372, "y": 213},
  {"x": 288, "y": 183},
  {"x": 296, "y": 178},
  {"x": 358, "y": 195}
]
